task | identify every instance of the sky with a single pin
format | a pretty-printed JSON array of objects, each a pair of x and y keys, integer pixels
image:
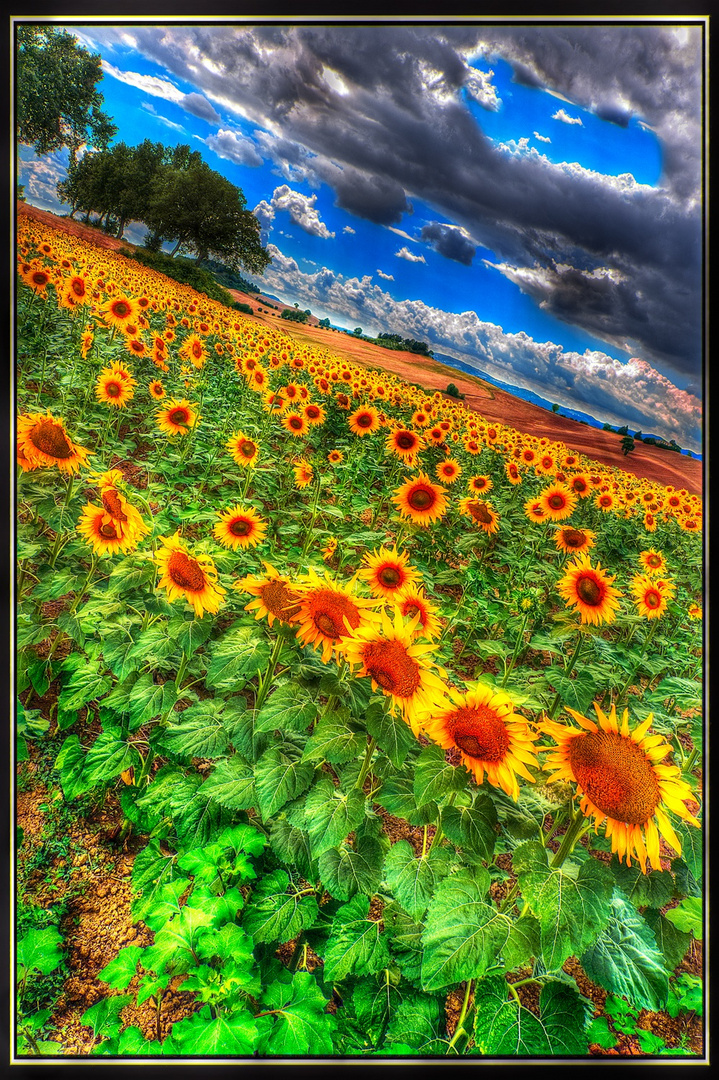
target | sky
[{"x": 525, "y": 197}]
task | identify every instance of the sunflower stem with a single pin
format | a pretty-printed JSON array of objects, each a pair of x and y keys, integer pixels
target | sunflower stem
[
  {"x": 567, "y": 671},
  {"x": 366, "y": 763},
  {"x": 647, "y": 641},
  {"x": 424, "y": 842},
  {"x": 308, "y": 537},
  {"x": 265, "y": 680},
  {"x": 181, "y": 672},
  {"x": 689, "y": 764},
  {"x": 577, "y": 827},
  {"x": 81, "y": 592},
  {"x": 248, "y": 476},
  {"x": 59, "y": 534},
  {"x": 459, "y": 1030},
  {"x": 518, "y": 645}
]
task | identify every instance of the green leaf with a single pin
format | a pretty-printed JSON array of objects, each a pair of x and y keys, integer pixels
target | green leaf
[
  {"x": 504, "y": 1028},
  {"x": 107, "y": 758},
  {"x": 692, "y": 848},
  {"x": 86, "y": 684},
  {"x": 345, "y": 871},
  {"x": 189, "y": 634},
  {"x": 523, "y": 943},
  {"x": 281, "y": 775},
  {"x": 394, "y": 737},
  {"x": 104, "y": 1016},
  {"x": 289, "y": 708},
  {"x": 654, "y": 889},
  {"x": 120, "y": 971},
  {"x": 472, "y": 827},
  {"x": 625, "y": 959},
  {"x": 413, "y": 880},
  {"x": 40, "y": 950},
  {"x": 292, "y": 845},
  {"x": 434, "y": 777},
  {"x": 673, "y": 943},
  {"x": 239, "y": 655},
  {"x": 174, "y": 947},
  {"x": 225, "y": 1036},
  {"x": 331, "y": 814},
  {"x": 71, "y": 764},
  {"x": 416, "y": 1022},
  {"x": 571, "y": 911},
  {"x": 405, "y": 941},
  {"x": 199, "y": 732},
  {"x": 118, "y": 655},
  {"x": 463, "y": 934},
  {"x": 563, "y": 1016},
  {"x": 231, "y": 783},
  {"x": 127, "y": 576},
  {"x": 276, "y": 915},
  {"x": 397, "y": 797},
  {"x": 149, "y": 699},
  {"x": 688, "y": 916},
  {"x": 334, "y": 740},
  {"x": 302, "y": 1026},
  {"x": 600, "y": 1034},
  {"x": 356, "y": 944}
]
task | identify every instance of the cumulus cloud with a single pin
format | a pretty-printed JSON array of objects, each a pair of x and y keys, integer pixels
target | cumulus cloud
[
  {"x": 40, "y": 175},
  {"x": 234, "y": 147},
  {"x": 200, "y": 106},
  {"x": 301, "y": 209},
  {"x": 611, "y": 390},
  {"x": 479, "y": 86},
  {"x": 450, "y": 241},
  {"x": 542, "y": 138},
  {"x": 149, "y": 84},
  {"x": 385, "y": 277},
  {"x": 405, "y": 253},
  {"x": 350, "y": 230},
  {"x": 560, "y": 114}
]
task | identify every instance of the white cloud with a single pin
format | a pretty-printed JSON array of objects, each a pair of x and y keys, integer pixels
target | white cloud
[
  {"x": 301, "y": 209},
  {"x": 385, "y": 277},
  {"x": 234, "y": 147},
  {"x": 542, "y": 138},
  {"x": 350, "y": 230},
  {"x": 560, "y": 114},
  {"x": 405, "y": 253},
  {"x": 149, "y": 107},
  {"x": 402, "y": 233},
  {"x": 149, "y": 84},
  {"x": 479, "y": 87}
]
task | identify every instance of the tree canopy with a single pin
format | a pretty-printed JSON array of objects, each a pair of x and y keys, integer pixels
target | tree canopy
[{"x": 57, "y": 100}]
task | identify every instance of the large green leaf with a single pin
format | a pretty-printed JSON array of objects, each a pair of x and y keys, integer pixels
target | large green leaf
[
  {"x": 87, "y": 683},
  {"x": 239, "y": 655},
  {"x": 411, "y": 879},
  {"x": 653, "y": 889},
  {"x": 417, "y": 1022},
  {"x": 104, "y": 1015},
  {"x": 524, "y": 942},
  {"x": 345, "y": 871},
  {"x": 149, "y": 699},
  {"x": 505, "y": 1028},
  {"x": 692, "y": 848},
  {"x": 673, "y": 942},
  {"x": 276, "y": 915},
  {"x": 472, "y": 827},
  {"x": 331, "y": 814},
  {"x": 231, "y": 783},
  {"x": 688, "y": 916},
  {"x": 356, "y": 945},
  {"x": 120, "y": 971},
  {"x": 199, "y": 732},
  {"x": 463, "y": 933},
  {"x": 281, "y": 775},
  {"x": 302, "y": 1026},
  {"x": 108, "y": 756},
  {"x": 625, "y": 958},
  {"x": 434, "y": 777},
  {"x": 394, "y": 737},
  {"x": 335, "y": 739},
  {"x": 572, "y": 911},
  {"x": 227, "y": 1035},
  {"x": 291, "y": 844},
  {"x": 174, "y": 947},
  {"x": 40, "y": 950},
  {"x": 289, "y": 708},
  {"x": 190, "y": 633},
  {"x": 397, "y": 797}
]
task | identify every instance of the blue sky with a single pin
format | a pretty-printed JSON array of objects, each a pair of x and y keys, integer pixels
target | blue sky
[{"x": 525, "y": 198}]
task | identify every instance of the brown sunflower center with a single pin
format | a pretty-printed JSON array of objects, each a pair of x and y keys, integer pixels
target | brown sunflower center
[
  {"x": 51, "y": 440},
  {"x": 277, "y": 598},
  {"x": 121, "y": 309},
  {"x": 480, "y": 512},
  {"x": 108, "y": 531},
  {"x": 579, "y": 485},
  {"x": 616, "y": 775},
  {"x": 421, "y": 498},
  {"x": 573, "y": 538},
  {"x": 588, "y": 591},
  {"x": 186, "y": 572},
  {"x": 405, "y": 440},
  {"x": 389, "y": 664},
  {"x": 111, "y": 502},
  {"x": 557, "y": 502},
  {"x": 179, "y": 416},
  {"x": 247, "y": 448},
  {"x": 328, "y": 610},
  {"x": 312, "y": 412},
  {"x": 39, "y": 278},
  {"x": 240, "y": 527},
  {"x": 390, "y": 576},
  {"x": 480, "y": 732},
  {"x": 296, "y": 423},
  {"x": 78, "y": 287},
  {"x": 197, "y": 350},
  {"x": 480, "y": 483},
  {"x": 364, "y": 420},
  {"x": 654, "y": 561},
  {"x": 652, "y": 599},
  {"x": 113, "y": 389}
]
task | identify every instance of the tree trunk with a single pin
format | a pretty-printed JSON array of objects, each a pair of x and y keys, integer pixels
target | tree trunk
[
  {"x": 120, "y": 228},
  {"x": 176, "y": 248}
]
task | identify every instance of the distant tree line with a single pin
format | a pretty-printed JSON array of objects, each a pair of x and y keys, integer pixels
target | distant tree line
[{"x": 395, "y": 341}]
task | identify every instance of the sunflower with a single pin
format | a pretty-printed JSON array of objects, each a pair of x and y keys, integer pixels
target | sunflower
[
  {"x": 303, "y": 473},
  {"x": 119, "y": 311},
  {"x": 314, "y": 414},
  {"x": 177, "y": 417},
  {"x": 420, "y": 418},
  {"x": 480, "y": 485},
  {"x": 335, "y": 457},
  {"x": 397, "y": 666},
  {"x": 483, "y": 513},
  {"x": 579, "y": 484},
  {"x": 43, "y": 441},
  {"x": 404, "y": 443},
  {"x": 651, "y": 595},
  {"x": 113, "y": 388},
  {"x": 589, "y": 589},
  {"x": 694, "y": 611},
  {"x": 193, "y": 349},
  {"x": 329, "y": 549},
  {"x": 86, "y": 339},
  {"x": 273, "y": 596},
  {"x": 534, "y": 510},
  {"x": 125, "y": 517},
  {"x": 157, "y": 390},
  {"x": 191, "y": 576},
  {"x": 244, "y": 451},
  {"x": 653, "y": 562},
  {"x": 386, "y": 572},
  {"x": 557, "y": 501},
  {"x": 513, "y": 474},
  {"x": 420, "y": 500},
  {"x": 621, "y": 780},
  {"x": 37, "y": 278},
  {"x": 328, "y": 612},
  {"x": 239, "y": 527},
  {"x": 605, "y": 501},
  {"x": 650, "y": 522},
  {"x": 364, "y": 421},
  {"x": 489, "y": 735},
  {"x": 295, "y": 423},
  {"x": 472, "y": 446},
  {"x": 574, "y": 541},
  {"x": 448, "y": 470},
  {"x": 412, "y": 602},
  {"x": 106, "y": 535}
]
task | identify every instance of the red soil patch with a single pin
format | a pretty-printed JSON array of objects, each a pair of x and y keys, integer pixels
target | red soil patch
[{"x": 660, "y": 466}]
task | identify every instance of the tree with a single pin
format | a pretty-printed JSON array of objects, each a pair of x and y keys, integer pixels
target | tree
[
  {"x": 627, "y": 445},
  {"x": 358, "y": 331},
  {"x": 555, "y": 408},
  {"x": 206, "y": 216},
  {"x": 57, "y": 102},
  {"x": 325, "y": 323}
]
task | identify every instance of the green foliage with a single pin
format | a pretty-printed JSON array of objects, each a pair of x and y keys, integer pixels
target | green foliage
[
  {"x": 294, "y": 315},
  {"x": 186, "y": 271}
]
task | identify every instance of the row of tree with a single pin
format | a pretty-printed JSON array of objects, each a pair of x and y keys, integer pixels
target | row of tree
[{"x": 175, "y": 194}]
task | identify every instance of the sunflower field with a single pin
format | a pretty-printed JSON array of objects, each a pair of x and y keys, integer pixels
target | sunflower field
[{"x": 400, "y": 709}]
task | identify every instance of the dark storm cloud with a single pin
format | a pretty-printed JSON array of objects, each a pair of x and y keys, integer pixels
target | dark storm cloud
[
  {"x": 200, "y": 106},
  {"x": 374, "y": 111},
  {"x": 450, "y": 242}
]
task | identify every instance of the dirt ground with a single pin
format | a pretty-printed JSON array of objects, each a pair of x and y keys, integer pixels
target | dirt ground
[{"x": 661, "y": 466}]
